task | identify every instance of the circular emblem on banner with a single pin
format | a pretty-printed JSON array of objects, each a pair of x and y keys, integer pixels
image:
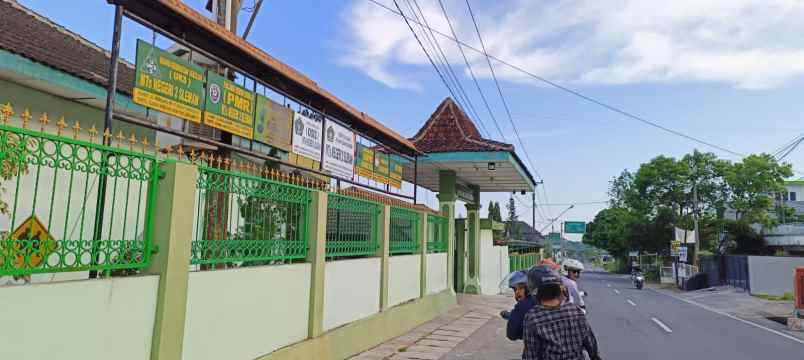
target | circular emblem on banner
[
  {"x": 330, "y": 134},
  {"x": 298, "y": 126},
  {"x": 214, "y": 93}
]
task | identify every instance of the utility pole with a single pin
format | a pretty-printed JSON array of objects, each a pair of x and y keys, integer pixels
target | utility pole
[{"x": 695, "y": 219}]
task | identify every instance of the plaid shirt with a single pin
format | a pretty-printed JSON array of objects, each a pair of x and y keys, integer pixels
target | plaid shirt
[{"x": 558, "y": 333}]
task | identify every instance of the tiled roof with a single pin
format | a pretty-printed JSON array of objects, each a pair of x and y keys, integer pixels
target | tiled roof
[
  {"x": 450, "y": 130},
  {"x": 35, "y": 37}
]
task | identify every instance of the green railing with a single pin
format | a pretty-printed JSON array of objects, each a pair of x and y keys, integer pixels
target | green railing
[
  {"x": 73, "y": 205},
  {"x": 404, "y": 235},
  {"x": 247, "y": 220},
  {"x": 352, "y": 226},
  {"x": 522, "y": 261},
  {"x": 436, "y": 233}
]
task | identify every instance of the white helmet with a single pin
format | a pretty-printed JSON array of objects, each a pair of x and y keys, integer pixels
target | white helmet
[{"x": 571, "y": 264}]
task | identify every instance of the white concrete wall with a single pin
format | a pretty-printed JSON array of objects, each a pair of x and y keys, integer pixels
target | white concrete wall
[
  {"x": 493, "y": 264},
  {"x": 436, "y": 272},
  {"x": 404, "y": 280},
  {"x": 243, "y": 313},
  {"x": 88, "y": 319},
  {"x": 351, "y": 290},
  {"x": 772, "y": 275}
]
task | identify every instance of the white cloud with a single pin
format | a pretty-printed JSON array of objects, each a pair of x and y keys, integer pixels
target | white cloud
[{"x": 751, "y": 44}]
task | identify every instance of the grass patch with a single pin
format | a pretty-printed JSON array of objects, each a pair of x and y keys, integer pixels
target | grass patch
[{"x": 786, "y": 297}]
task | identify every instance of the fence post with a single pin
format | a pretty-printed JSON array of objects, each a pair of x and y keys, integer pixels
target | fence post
[
  {"x": 424, "y": 232},
  {"x": 316, "y": 256},
  {"x": 383, "y": 253},
  {"x": 173, "y": 234}
]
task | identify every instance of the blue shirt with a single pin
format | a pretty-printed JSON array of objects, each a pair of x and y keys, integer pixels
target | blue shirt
[{"x": 516, "y": 320}]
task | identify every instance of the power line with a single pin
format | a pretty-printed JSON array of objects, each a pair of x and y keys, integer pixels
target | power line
[
  {"x": 471, "y": 72},
  {"x": 445, "y": 62},
  {"x": 580, "y": 95}
]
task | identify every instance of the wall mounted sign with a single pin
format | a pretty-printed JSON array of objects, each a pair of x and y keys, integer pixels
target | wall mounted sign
[
  {"x": 307, "y": 134},
  {"x": 272, "y": 123},
  {"x": 229, "y": 107},
  {"x": 339, "y": 150},
  {"x": 167, "y": 83}
]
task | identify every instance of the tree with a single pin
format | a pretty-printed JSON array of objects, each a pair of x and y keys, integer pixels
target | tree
[
  {"x": 512, "y": 229},
  {"x": 497, "y": 213},
  {"x": 611, "y": 230},
  {"x": 751, "y": 183}
]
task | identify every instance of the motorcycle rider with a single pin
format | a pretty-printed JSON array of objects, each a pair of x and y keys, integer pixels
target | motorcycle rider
[
  {"x": 554, "y": 330},
  {"x": 524, "y": 302},
  {"x": 572, "y": 269}
]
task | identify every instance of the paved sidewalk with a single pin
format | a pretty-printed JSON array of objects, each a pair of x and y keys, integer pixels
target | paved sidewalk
[{"x": 475, "y": 318}]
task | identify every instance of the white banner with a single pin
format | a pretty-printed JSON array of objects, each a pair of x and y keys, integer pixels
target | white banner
[
  {"x": 307, "y": 136},
  {"x": 339, "y": 150},
  {"x": 682, "y": 234}
]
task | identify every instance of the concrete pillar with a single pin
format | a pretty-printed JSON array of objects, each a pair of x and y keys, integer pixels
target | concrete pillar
[
  {"x": 316, "y": 256},
  {"x": 473, "y": 244},
  {"x": 173, "y": 234},
  {"x": 424, "y": 232},
  {"x": 446, "y": 199},
  {"x": 383, "y": 252}
]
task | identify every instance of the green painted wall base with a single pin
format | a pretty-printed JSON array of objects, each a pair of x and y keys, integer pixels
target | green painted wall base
[{"x": 361, "y": 335}]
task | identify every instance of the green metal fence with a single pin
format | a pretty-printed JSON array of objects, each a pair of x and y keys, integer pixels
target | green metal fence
[
  {"x": 522, "y": 261},
  {"x": 436, "y": 233},
  {"x": 352, "y": 226},
  {"x": 73, "y": 205},
  {"x": 404, "y": 235},
  {"x": 246, "y": 220}
]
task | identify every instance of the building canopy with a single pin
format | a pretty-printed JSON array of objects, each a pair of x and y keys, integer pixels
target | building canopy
[{"x": 450, "y": 141}]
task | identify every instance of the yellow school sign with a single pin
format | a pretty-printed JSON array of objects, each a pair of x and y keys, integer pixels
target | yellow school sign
[{"x": 31, "y": 244}]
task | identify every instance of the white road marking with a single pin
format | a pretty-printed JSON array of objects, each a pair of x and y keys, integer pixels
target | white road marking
[
  {"x": 631, "y": 302},
  {"x": 617, "y": 291},
  {"x": 702, "y": 306},
  {"x": 662, "y": 325}
]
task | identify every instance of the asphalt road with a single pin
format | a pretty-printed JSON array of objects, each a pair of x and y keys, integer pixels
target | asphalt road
[{"x": 644, "y": 324}]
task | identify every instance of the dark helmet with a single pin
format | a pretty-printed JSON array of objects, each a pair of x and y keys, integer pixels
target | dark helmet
[{"x": 542, "y": 275}]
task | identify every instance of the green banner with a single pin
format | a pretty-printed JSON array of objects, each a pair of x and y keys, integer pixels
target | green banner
[
  {"x": 574, "y": 227},
  {"x": 381, "y": 167},
  {"x": 364, "y": 162},
  {"x": 167, "y": 83},
  {"x": 395, "y": 173},
  {"x": 272, "y": 123},
  {"x": 229, "y": 107}
]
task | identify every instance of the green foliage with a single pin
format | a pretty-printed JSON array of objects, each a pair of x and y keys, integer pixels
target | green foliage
[
  {"x": 512, "y": 228},
  {"x": 647, "y": 204}
]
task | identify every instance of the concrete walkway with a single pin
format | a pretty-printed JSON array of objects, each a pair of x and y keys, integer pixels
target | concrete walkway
[{"x": 475, "y": 325}]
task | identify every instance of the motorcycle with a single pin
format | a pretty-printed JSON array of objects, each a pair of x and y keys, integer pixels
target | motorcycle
[{"x": 639, "y": 281}]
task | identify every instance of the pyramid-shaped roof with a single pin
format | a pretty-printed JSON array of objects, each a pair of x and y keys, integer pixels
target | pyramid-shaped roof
[{"x": 450, "y": 130}]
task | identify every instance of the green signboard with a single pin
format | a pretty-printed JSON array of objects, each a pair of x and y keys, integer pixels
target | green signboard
[
  {"x": 272, "y": 123},
  {"x": 167, "y": 83},
  {"x": 395, "y": 173},
  {"x": 381, "y": 167},
  {"x": 229, "y": 107},
  {"x": 554, "y": 236},
  {"x": 574, "y": 227},
  {"x": 364, "y": 162}
]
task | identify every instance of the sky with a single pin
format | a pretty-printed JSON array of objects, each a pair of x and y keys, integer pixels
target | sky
[{"x": 725, "y": 71}]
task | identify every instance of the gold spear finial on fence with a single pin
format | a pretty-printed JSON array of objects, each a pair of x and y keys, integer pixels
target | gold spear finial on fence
[
  {"x": 132, "y": 141},
  {"x": 43, "y": 121},
  {"x": 26, "y": 118},
  {"x": 192, "y": 155},
  {"x": 61, "y": 125},
  {"x": 76, "y": 129},
  {"x": 145, "y": 144},
  {"x": 120, "y": 138},
  {"x": 7, "y": 111},
  {"x": 204, "y": 157},
  {"x": 180, "y": 151},
  {"x": 156, "y": 147},
  {"x": 218, "y": 161},
  {"x": 227, "y": 163},
  {"x": 93, "y": 133},
  {"x": 107, "y": 136}
]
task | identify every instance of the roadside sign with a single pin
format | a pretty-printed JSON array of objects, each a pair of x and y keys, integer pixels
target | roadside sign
[
  {"x": 682, "y": 254},
  {"x": 574, "y": 227},
  {"x": 633, "y": 253},
  {"x": 229, "y": 107},
  {"x": 339, "y": 150},
  {"x": 675, "y": 247},
  {"x": 554, "y": 236},
  {"x": 307, "y": 138},
  {"x": 168, "y": 83},
  {"x": 31, "y": 240},
  {"x": 395, "y": 173},
  {"x": 272, "y": 123},
  {"x": 364, "y": 163}
]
